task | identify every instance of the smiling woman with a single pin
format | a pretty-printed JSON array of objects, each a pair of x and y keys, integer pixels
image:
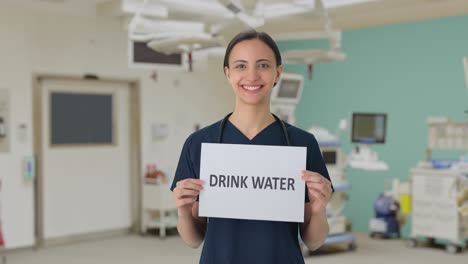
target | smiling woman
[
  {"x": 252, "y": 66},
  {"x": 252, "y": 72}
]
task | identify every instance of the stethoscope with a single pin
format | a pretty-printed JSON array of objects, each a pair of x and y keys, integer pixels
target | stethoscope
[{"x": 223, "y": 123}]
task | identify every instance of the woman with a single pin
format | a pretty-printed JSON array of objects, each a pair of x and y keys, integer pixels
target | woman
[{"x": 252, "y": 65}]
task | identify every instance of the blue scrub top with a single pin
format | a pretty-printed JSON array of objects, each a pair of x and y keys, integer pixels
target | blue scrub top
[{"x": 249, "y": 241}]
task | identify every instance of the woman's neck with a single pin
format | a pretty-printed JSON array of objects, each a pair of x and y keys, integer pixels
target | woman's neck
[{"x": 251, "y": 120}]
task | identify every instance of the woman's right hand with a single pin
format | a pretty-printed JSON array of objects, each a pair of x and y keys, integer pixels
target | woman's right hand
[{"x": 185, "y": 195}]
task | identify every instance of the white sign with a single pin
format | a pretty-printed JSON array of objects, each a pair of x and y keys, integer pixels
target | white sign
[{"x": 252, "y": 182}]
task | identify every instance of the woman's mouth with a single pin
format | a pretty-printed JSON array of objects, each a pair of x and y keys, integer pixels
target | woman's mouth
[{"x": 251, "y": 87}]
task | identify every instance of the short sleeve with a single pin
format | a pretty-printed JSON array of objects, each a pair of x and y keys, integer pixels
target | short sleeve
[
  {"x": 316, "y": 163},
  {"x": 185, "y": 166}
]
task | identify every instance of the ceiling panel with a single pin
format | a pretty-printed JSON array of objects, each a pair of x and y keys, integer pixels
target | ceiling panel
[{"x": 365, "y": 14}]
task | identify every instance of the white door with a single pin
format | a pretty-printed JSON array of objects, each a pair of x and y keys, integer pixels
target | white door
[{"x": 85, "y": 187}]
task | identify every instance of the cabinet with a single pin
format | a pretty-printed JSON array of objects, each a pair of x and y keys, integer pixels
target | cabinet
[
  {"x": 435, "y": 212},
  {"x": 159, "y": 210}
]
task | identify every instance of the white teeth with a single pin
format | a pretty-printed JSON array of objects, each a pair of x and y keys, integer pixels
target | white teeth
[{"x": 251, "y": 88}]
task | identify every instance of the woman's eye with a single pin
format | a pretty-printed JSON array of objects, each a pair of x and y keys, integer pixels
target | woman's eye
[
  {"x": 264, "y": 66},
  {"x": 240, "y": 66}
]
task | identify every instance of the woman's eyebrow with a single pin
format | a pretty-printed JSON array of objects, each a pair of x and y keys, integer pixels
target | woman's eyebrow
[
  {"x": 259, "y": 60},
  {"x": 236, "y": 61},
  {"x": 263, "y": 60}
]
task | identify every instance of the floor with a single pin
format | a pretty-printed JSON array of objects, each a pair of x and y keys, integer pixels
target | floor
[{"x": 152, "y": 250}]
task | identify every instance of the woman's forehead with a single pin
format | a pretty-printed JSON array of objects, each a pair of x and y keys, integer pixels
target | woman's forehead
[{"x": 252, "y": 48}]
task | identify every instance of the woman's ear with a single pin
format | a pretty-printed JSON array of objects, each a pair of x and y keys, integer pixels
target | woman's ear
[
  {"x": 279, "y": 71},
  {"x": 226, "y": 72}
]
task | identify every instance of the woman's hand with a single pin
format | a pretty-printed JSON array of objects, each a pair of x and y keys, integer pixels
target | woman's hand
[
  {"x": 185, "y": 195},
  {"x": 319, "y": 190}
]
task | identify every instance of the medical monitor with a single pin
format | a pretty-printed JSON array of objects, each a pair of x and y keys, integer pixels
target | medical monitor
[
  {"x": 288, "y": 89},
  {"x": 140, "y": 56},
  {"x": 369, "y": 128},
  {"x": 329, "y": 157}
]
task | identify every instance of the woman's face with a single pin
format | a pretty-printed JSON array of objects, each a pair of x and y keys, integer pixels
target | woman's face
[{"x": 252, "y": 72}]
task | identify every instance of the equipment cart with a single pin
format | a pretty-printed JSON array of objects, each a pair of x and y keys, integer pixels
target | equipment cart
[
  {"x": 159, "y": 210},
  {"x": 436, "y": 212},
  {"x": 439, "y": 188},
  {"x": 339, "y": 225}
]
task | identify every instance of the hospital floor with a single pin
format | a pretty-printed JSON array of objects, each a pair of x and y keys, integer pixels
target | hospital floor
[{"x": 152, "y": 250}]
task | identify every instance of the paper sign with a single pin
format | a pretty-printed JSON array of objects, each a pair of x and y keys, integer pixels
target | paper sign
[{"x": 252, "y": 182}]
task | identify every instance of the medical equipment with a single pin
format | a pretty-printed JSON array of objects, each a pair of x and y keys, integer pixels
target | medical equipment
[
  {"x": 446, "y": 134},
  {"x": 440, "y": 192},
  {"x": 335, "y": 160},
  {"x": 367, "y": 128},
  {"x": 311, "y": 56},
  {"x": 385, "y": 224},
  {"x": 159, "y": 210},
  {"x": 390, "y": 209},
  {"x": 286, "y": 95},
  {"x": 171, "y": 37},
  {"x": 438, "y": 207}
]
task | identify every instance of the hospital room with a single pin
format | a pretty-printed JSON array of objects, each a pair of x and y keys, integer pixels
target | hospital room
[{"x": 233, "y": 131}]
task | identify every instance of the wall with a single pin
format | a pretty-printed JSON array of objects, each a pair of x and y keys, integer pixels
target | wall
[
  {"x": 410, "y": 71},
  {"x": 34, "y": 43}
]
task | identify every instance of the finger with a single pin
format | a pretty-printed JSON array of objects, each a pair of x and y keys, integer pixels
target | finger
[
  {"x": 324, "y": 193},
  {"x": 190, "y": 180},
  {"x": 319, "y": 185},
  {"x": 317, "y": 180},
  {"x": 187, "y": 193},
  {"x": 181, "y": 191},
  {"x": 194, "y": 184},
  {"x": 311, "y": 175},
  {"x": 315, "y": 177},
  {"x": 183, "y": 202},
  {"x": 318, "y": 197},
  {"x": 322, "y": 187}
]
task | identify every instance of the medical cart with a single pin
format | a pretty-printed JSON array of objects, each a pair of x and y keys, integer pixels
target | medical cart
[
  {"x": 335, "y": 160},
  {"x": 436, "y": 212},
  {"x": 159, "y": 210},
  {"x": 439, "y": 191},
  {"x": 340, "y": 227}
]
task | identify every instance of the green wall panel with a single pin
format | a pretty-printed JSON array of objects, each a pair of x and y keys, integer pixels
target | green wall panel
[{"x": 410, "y": 71}]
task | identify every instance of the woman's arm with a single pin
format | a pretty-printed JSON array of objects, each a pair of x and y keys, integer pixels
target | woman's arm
[
  {"x": 191, "y": 227},
  {"x": 315, "y": 228}
]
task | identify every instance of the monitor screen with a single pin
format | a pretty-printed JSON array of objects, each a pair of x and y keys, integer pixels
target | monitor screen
[
  {"x": 329, "y": 157},
  {"x": 368, "y": 128},
  {"x": 140, "y": 56},
  {"x": 289, "y": 89}
]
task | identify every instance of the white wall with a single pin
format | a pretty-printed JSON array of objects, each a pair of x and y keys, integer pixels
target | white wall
[{"x": 33, "y": 43}]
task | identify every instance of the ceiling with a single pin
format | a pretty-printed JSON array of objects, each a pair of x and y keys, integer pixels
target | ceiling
[{"x": 360, "y": 15}]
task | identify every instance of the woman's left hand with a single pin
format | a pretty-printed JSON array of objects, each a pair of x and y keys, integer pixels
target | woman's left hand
[{"x": 319, "y": 190}]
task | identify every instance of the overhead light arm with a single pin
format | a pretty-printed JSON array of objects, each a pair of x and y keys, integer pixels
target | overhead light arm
[
  {"x": 239, "y": 13},
  {"x": 311, "y": 56},
  {"x": 132, "y": 27}
]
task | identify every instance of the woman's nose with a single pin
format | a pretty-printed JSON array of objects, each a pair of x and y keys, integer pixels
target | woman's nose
[{"x": 253, "y": 74}]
